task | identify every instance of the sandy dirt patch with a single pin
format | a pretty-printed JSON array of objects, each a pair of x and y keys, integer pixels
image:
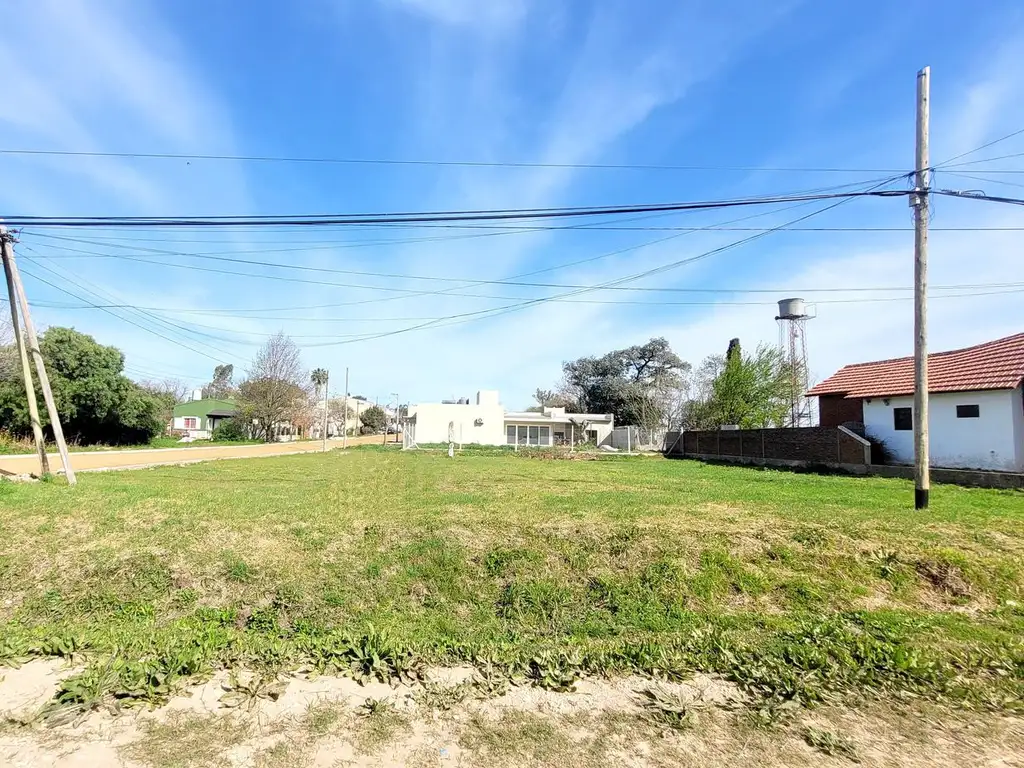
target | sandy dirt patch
[{"x": 241, "y": 720}]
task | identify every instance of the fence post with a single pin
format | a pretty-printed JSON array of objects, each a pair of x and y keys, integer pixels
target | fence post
[{"x": 762, "y": 442}]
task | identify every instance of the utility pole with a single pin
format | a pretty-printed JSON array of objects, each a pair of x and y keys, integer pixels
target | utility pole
[
  {"x": 919, "y": 200},
  {"x": 37, "y": 358},
  {"x": 26, "y": 370},
  {"x": 344, "y": 416},
  {"x": 327, "y": 389},
  {"x": 395, "y": 395}
]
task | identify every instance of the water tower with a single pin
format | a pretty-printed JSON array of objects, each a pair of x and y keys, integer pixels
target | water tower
[{"x": 792, "y": 320}]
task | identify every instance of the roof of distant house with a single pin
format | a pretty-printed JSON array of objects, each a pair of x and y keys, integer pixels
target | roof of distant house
[
  {"x": 209, "y": 406},
  {"x": 995, "y": 364}
]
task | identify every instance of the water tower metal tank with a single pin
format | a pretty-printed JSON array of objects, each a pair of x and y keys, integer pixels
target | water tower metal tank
[
  {"x": 792, "y": 320},
  {"x": 792, "y": 309}
]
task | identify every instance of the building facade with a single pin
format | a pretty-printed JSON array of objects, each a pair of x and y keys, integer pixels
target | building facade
[
  {"x": 486, "y": 422},
  {"x": 975, "y": 405},
  {"x": 198, "y": 418}
]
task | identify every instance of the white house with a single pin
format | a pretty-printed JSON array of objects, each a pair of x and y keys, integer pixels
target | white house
[
  {"x": 488, "y": 423},
  {"x": 975, "y": 404}
]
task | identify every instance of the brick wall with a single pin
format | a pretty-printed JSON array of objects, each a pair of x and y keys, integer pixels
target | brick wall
[
  {"x": 834, "y": 410},
  {"x": 814, "y": 445}
]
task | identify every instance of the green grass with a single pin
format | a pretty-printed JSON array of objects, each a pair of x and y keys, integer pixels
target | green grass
[{"x": 793, "y": 585}]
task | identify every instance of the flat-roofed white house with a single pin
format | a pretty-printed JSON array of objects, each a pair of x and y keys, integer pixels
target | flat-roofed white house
[{"x": 486, "y": 422}]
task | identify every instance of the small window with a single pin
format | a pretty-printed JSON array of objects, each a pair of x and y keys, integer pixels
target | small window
[
  {"x": 902, "y": 419},
  {"x": 968, "y": 412},
  {"x": 510, "y": 434},
  {"x": 191, "y": 422}
]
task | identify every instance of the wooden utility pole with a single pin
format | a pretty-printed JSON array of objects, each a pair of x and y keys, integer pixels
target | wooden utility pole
[
  {"x": 327, "y": 389},
  {"x": 344, "y": 417},
  {"x": 37, "y": 358},
  {"x": 919, "y": 200},
  {"x": 26, "y": 370}
]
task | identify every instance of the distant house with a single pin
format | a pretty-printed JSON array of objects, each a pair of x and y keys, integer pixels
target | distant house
[
  {"x": 976, "y": 404},
  {"x": 198, "y": 418},
  {"x": 488, "y": 423}
]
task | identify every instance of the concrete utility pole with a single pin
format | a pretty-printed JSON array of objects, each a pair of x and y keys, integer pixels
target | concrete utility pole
[
  {"x": 919, "y": 200},
  {"x": 394, "y": 395},
  {"x": 326, "y": 401},
  {"x": 26, "y": 370},
  {"x": 11, "y": 268},
  {"x": 344, "y": 415}
]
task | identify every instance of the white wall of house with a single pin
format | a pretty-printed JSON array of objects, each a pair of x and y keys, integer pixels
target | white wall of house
[
  {"x": 482, "y": 423},
  {"x": 561, "y": 428},
  {"x": 190, "y": 426},
  {"x": 992, "y": 440}
]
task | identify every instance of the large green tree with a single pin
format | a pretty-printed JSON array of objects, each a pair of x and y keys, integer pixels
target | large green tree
[
  {"x": 96, "y": 402},
  {"x": 634, "y": 383}
]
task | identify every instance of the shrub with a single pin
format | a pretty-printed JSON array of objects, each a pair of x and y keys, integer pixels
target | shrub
[{"x": 231, "y": 429}]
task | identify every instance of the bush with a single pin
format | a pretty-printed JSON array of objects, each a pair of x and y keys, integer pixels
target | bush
[
  {"x": 231, "y": 429},
  {"x": 374, "y": 419}
]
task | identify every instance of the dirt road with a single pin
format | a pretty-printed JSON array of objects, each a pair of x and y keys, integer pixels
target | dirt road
[{"x": 86, "y": 461}]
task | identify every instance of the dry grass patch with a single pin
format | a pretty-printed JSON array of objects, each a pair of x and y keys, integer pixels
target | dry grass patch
[{"x": 185, "y": 740}]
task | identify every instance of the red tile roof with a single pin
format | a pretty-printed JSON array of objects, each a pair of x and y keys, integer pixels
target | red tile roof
[{"x": 995, "y": 364}]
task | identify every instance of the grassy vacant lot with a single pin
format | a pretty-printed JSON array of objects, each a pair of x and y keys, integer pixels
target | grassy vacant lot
[{"x": 794, "y": 586}]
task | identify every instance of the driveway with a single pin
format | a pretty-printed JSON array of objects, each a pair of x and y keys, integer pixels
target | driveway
[{"x": 86, "y": 461}]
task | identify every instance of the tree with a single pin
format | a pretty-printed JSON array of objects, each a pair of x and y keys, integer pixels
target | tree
[
  {"x": 169, "y": 392},
  {"x": 374, "y": 420},
  {"x": 637, "y": 384},
  {"x": 319, "y": 377},
  {"x": 749, "y": 390},
  {"x": 10, "y": 365},
  {"x": 221, "y": 386},
  {"x": 276, "y": 389},
  {"x": 96, "y": 402}
]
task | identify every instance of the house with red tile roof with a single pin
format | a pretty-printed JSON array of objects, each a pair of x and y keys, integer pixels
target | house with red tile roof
[{"x": 976, "y": 404}]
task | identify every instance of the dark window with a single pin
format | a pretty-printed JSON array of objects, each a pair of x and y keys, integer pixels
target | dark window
[
  {"x": 902, "y": 418},
  {"x": 967, "y": 412}
]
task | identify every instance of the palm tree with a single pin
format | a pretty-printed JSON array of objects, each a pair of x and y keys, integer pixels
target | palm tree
[{"x": 319, "y": 378}]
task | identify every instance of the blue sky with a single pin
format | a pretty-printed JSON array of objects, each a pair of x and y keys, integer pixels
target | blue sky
[{"x": 717, "y": 84}]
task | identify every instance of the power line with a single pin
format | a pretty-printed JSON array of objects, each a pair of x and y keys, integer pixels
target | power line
[
  {"x": 119, "y": 317},
  {"x": 509, "y": 282},
  {"x": 440, "y": 163},
  {"x": 981, "y": 178},
  {"x": 983, "y": 146},
  {"x": 427, "y": 217},
  {"x": 990, "y": 160},
  {"x": 160, "y": 322},
  {"x": 482, "y": 314},
  {"x": 978, "y": 196},
  {"x": 453, "y": 291}
]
